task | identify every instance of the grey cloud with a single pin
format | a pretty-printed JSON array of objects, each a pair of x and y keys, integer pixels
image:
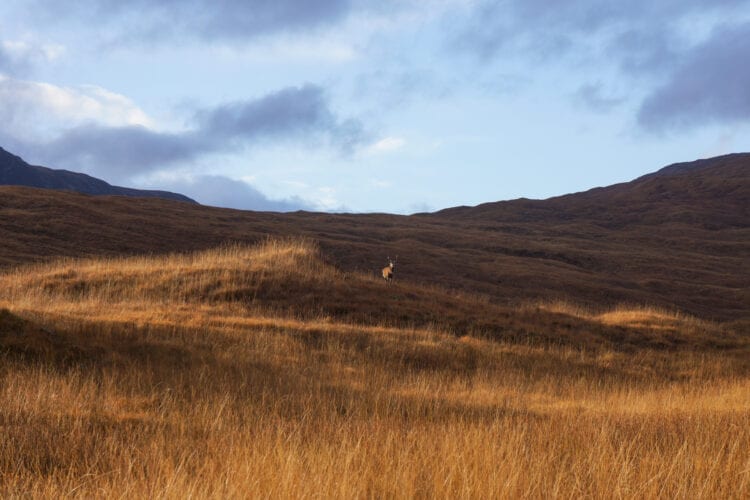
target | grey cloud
[
  {"x": 644, "y": 50},
  {"x": 397, "y": 88},
  {"x": 220, "y": 191},
  {"x": 121, "y": 152},
  {"x": 241, "y": 17},
  {"x": 553, "y": 29},
  {"x": 206, "y": 19},
  {"x": 646, "y": 41},
  {"x": 289, "y": 112},
  {"x": 11, "y": 100},
  {"x": 711, "y": 85},
  {"x": 594, "y": 97},
  {"x": 495, "y": 26}
]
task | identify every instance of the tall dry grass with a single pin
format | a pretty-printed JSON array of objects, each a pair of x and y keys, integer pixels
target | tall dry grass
[{"x": 188, "y": 376}]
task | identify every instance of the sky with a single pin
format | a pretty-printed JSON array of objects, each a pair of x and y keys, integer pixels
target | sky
[{"x": 372, "y": 106}]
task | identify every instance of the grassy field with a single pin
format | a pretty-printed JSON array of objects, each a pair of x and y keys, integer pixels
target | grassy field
[
  {"x": 264, "y": 371},
  {"x": 686, "y": 250}
]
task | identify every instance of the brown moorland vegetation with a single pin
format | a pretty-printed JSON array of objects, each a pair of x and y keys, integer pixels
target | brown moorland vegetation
[
  {"x": 266, "y": 371},
  {"x": 678, "y": 239}
]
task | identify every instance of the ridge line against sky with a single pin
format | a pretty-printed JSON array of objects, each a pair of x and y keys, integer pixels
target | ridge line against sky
[{"x": 353, "y": 105}]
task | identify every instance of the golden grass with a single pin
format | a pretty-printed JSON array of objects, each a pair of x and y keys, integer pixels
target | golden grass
[
  {"x": 657, "y": 318},
  {"x": 185, "y": 376}
]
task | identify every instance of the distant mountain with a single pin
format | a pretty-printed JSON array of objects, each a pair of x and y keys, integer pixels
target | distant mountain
[
  {"x": 712, "y": 193},
  {"x": 14, "y": 171}
]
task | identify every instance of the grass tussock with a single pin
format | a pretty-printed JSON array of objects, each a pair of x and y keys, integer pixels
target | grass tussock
[
  {"x": 639, "y": 317},
  {"x": 232, "y": 373}
]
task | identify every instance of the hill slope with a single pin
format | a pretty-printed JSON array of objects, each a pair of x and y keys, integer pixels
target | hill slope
[
  {"x": 290, "y": 279},
  {"x": 712, "y": 193},
  {"x": 679, "y": 239},
  {"x": 16, "y": 172}
]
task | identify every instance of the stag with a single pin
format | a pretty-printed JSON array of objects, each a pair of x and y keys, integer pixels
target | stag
[{"x": 388, "y": 270}]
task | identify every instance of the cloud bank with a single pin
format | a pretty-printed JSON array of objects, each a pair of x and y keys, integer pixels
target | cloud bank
[
  {"x": 710, "y": 85},
  {"x": 221, "y": 191},
  {"x": 202, "y": 19},
  {"x": 107, "y": 135},
  {"x": 122, "y": 151},
  {"x": 656, "y": 44},
  {"x": 638, "y": 27},
  {"x": 31, "y": 108},
  {"x": 691, "y": 78}
]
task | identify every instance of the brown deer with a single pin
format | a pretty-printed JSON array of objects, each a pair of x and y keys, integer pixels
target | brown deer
[{"x": 388, "y": 270}]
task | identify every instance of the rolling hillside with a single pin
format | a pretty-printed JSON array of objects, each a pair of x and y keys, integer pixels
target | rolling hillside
[
  {"x": 710, "y": 194},
  {"x": 265, "y": 370},
  {"x": 679, "y": 238},
  {"x": 290, "y": 279}
]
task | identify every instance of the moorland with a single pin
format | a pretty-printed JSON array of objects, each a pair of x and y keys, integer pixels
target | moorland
[{"x": 595, "y": 345}]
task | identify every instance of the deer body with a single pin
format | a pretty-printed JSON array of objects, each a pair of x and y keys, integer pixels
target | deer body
[{"x": 388, "y": 270}]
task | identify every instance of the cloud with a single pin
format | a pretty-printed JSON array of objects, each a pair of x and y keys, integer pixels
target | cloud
[
  {"x": 689, "y": 65},
  {"x": 19, "y": 57},
  {"x": 538, "y": 26},
  {"x": 593, "y": 96},
  {"x": 121, "y": 151},
  {"x": 202, "y": 19},
  {"x": 645, "y": 50},
  {"x": 387, "y": 145},
  {"x": 710, "y": 85},
  {"x": 33, "y": 108},
  {"x": 220, "y": 191},
  {"x": 290, "y": 112}
]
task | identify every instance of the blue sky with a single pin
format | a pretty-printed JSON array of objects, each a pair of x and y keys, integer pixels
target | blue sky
[{"x": 355, "y": 105}]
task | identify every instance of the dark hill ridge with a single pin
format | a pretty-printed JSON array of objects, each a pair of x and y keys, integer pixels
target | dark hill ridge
[
  {"x": 712, "y": 193},
  {"x": 14, "y": 171},
  {"x": 680, "y": 240}
]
